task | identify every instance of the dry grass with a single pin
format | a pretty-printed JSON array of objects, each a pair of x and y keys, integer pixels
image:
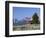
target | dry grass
[{"x": 26, "y": 27}]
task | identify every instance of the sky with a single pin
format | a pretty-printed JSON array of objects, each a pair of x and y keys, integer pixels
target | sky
[{"x": 22, "y": 12}]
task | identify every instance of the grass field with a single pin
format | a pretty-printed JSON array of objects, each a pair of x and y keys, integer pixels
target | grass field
[{"x": 26, "y": 27}]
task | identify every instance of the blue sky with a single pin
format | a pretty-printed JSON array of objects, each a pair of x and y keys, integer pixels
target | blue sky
[{"x": 22, "y": 12}]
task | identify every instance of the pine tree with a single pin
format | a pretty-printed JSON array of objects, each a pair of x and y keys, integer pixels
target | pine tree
[{"x": 35, "y": 19}]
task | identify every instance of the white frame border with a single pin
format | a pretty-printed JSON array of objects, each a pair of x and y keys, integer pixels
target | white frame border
[{"x": 11, "y": 32}]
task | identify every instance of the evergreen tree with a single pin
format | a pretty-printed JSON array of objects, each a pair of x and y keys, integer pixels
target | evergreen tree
[{"x": 35, "y": 19}]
